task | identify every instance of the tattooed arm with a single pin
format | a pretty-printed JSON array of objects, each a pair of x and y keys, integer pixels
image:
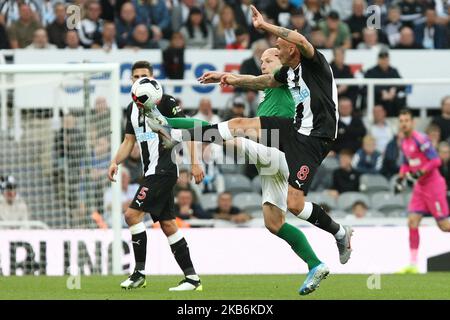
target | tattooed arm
[
  {"x": 306, "y": 48},
  {"x": 250, "y": 82}
]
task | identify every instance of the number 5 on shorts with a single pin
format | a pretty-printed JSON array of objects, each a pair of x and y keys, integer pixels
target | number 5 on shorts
[{"x": 143, "y": 193}]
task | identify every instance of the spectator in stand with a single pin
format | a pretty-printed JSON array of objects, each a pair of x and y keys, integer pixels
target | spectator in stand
[
  {"x": 40, "y": 40},
  {"x": 92, "y": 25},
  {"x": 407, "y": 39},
  {"x": 318, "y": 39},
  {"x": 186, "y": 209},
  {"x": 380, "y": 129},
  {"x": 155, "y": 15},
  {"x": 107, "y": 41},
  {"x": 280, "y": 12},
  {"x": 392, "y": 98},
  {"x": 197, "y": 33},
  {"x": 351, "y": 129},
  {"x": 205, "y": 112},
  {"x": 243, "y": 15},
  {"x": 444, "y": 154},
  {"x": 443, "y": 121},
  {"x": 357, "y": 21},
  {"x": 111, "y": 9},
  {"x": 213, "y": 180},
  {"x": 430, "y": 34},
  {"x": 341, "y": 70},
  {"x": 370, "y": 40},
  {"x": 368, "y": 159},
  {"x": 21, "y": 32},
  {"x": 434, "y": 134},
  {"x": 313, "y": 12},
  {"x": 359, "y": 209},
  {"x": 252, "y": 65},
  {"x": 13, "y": 207},
  {"x": 393, "y": 158},
  {"x": 412, "y": 12},
  {"x": 237, "y": 109},
  {"x": 336, "y": 32},
  {"x": 126, "y": 22},
  {"x": 10, "y": 10},
  {"x": 58, "y": 28},
  {"x": 141, "y": 38},
  {"x": 134, "y": 165},
  {"x": 128, "y": 191},
  {"x": 212, "y": 9},
  {"x": 393, "y": 26},
  {"x": 4, "y": 41},
  {"x": 298, "y": 22},
  {"x": 185, "y": 182},
  {"x": 226, "y": 211},
  {"x": 180, "y": 13},
  {"x": 72, "y": 41},
  {"x": 344, "y": 8},
  {"x": 345, "y": 178},
  {"x": 225, "y": 32},
  {"x": 242, "y": 40},
  {"x": 173, "y": 57}
]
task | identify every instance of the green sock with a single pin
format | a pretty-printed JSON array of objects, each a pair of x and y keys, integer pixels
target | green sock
[
  {"x": 299, "y": 244},
  {"x": 186, "y": 123}
]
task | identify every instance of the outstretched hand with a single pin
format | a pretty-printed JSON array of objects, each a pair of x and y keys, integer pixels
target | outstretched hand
[
  {"x": 228, "y": 80},
  {"x": 210, "y": 77},
  {"x": 257, "y": 18}
]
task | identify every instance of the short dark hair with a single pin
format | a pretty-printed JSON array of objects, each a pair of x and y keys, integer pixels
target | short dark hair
[
  {"x": 406, "y": 111},
  {"x": 226, "y": 193},
  {"x": 142, "y": 64},
  {"x": 346, "y": 152}
]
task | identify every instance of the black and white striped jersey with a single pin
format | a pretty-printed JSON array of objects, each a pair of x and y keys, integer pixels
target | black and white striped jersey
[
  {"x": 154, "y": 157},
  {"x": 315, "y": 94}
]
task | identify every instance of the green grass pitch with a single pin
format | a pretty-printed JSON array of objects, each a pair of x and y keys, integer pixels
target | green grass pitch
[{"x": 227, "y": 287}]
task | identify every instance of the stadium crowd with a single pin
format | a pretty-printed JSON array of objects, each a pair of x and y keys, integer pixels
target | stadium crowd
[
  {"x": 362, "y": 149},
  {"x": 172, "y": 25}
]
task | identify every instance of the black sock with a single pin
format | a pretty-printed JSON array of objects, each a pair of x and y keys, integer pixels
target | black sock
[
  {"x": 139, "y": 241},
  {"x": 180, "y": 250},
  {"x": 208, "y": 133},
  {"x": 322, "y": 220}
]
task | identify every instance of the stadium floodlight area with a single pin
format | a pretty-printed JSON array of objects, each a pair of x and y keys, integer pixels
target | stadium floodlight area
[{"x": 59, "y": 152}]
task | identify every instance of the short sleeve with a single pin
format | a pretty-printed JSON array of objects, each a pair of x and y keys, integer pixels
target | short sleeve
[
  {"x": 281, "y": 74},
  {"x": 129, "y": 126}
]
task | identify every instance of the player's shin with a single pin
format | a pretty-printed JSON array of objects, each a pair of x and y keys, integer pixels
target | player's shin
[
  {"x": 313, "y": 213},
  {"x": 414, "y": 240},
  {"x": 139, "y": 241},
  {"x": 181, "y": 253},
  {"x": 298, "y": 242},
  {"x": 216, "y": 133}
]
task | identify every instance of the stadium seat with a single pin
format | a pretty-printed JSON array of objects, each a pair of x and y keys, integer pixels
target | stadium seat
[
  {"x": 331, "y": 163},
  {"x": 369, "y": 183},
  {"x": 322, "y": 198},
  {"x": 248, "y": 201},
  {"x": 256, "y": 183},
  {"x": 387, "y": 203},
  {"x": 237, "y": 183},
  {"x": 208, "y": 200},
  {"x": 347, "y": 199}
]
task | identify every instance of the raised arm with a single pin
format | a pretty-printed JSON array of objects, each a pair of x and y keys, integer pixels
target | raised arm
[
  {"x": 250, "y": 82},
  {"x": 306, "y": 48}
]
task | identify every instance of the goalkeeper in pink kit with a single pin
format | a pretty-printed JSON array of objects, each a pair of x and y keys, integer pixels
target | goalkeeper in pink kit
[{"x": 420, "y": 168}]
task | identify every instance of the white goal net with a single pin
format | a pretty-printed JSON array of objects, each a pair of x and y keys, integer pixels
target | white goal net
[{"x": 59, "y": 125}]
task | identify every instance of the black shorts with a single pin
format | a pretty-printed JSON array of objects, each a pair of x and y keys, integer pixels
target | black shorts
[
  {"x": 155, "y": 196},
  {"x": 304, "y": 154}
]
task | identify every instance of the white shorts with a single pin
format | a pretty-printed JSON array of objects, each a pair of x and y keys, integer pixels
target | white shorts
[{"x": 273, "y": 170}]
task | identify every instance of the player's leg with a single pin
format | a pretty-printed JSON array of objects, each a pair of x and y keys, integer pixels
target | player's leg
[
  {"x": 180, "y": 251},
  {"x": 414, "y": 241},
  {"x": 275, "y": 222},
  {"x": 133, "y": 218},
  {"x": 303, "y": 156}
]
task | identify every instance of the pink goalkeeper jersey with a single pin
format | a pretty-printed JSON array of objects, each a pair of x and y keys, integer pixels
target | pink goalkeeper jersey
[{"x": 419, "y": 154}]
